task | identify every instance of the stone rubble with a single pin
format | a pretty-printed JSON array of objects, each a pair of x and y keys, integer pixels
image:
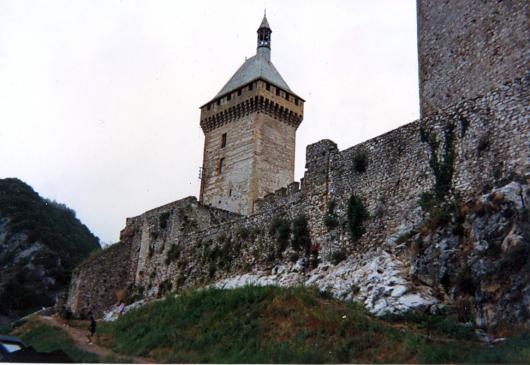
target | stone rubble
[{"x": 378, "y": 280}]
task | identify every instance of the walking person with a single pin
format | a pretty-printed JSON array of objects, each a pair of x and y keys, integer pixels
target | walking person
[{"x": 91, "y": 329}]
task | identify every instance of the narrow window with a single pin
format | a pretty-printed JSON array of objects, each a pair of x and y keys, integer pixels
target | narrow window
[
  {"x": 239, "y": 92},
  {"x": 221, "y": 165},
  {"x": 229, "y": 97},
  {"x": 250, "y": 87},
  {"x": 268, "y": 86},
  {"x": 296, "y": 101},
  {"x": 286, "y": 96},
  {"x": 230, "y": 192},
  {"x": 208, "y": 107},
  {"x": 218, "y": 101},
  {"x": 277, "y": 91},
  {"x": 223, "y": 140}
]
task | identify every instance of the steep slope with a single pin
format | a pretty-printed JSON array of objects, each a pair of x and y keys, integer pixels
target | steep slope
[
  {"x": 293, "y": 325},
  {"x": 41, "y": 241}
]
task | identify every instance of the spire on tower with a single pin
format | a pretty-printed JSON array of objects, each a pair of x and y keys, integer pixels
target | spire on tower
[{"x": 264, "y": 38}]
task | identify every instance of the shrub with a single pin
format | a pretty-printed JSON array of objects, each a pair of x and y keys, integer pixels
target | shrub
[
  {"x": 163, "y": 220},
  {"x": 465, "y": 281},
  {"x": 483, "y": 143},
  {"x": 173, "y": 254},
  {"x": 427, "y": 201},
  {"x": 338, "y": 256},
  {"x": 330, "y": 219},
  {"x": 405, "y": 237},
  {"x": 360, "y": 161},
  {"x": 439, "y": 217},
  {"x": 280, "y": 229},
  {"x": 357, "y": 215},
  {"x": 301, "y": 237},
  {"x": 243, "y": 233}
]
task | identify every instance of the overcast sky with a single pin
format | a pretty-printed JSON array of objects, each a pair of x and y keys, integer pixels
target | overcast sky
[{"x": 99, "y": 100}]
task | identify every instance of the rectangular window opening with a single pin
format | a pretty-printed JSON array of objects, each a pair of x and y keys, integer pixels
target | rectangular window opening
[
  {"x": 223, "y": 140},
  {"x": 221, "y": 165},
  {"x": 239, "y": 92},
  {"x": 250, "y": 87},
  {"x": 268, "y": 86}
]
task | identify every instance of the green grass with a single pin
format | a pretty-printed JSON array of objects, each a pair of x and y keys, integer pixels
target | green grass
[
  {"x": 296, "y": 325},
  {"x": 46, "y": 338},
  {"x": 278, "y": 325}
]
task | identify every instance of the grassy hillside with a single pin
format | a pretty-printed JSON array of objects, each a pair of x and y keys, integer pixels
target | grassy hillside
[{"x": 271, "y": 325}]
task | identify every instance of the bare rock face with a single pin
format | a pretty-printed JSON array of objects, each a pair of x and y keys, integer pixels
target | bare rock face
[
  {"x": 377, "y": 279},
  {"x": 40, "y": 243},
  {"x": 481, "y": 264}
]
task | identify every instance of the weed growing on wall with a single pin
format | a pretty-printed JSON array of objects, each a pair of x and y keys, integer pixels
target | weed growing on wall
[
  {"x": 301, "y": 237},
  {"x": 331, "y": 220},
  {"x": 163, "y": 220},
  {"x": 360, "y": 161},
  {"x": 356, "y": 216},
  {"x": 338, "y": 256},
  {"x": 173, "y": 254},
  {"x": 280, "y": 229},
  {"x": 436, "y": 201}
]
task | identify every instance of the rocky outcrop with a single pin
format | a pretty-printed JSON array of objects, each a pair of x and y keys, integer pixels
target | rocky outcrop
[
  {"x": 40, "y": 243},
  {"x": 481, "y": 263},
  {"x": 377, "y": 279},
  {"x": 481, "y": 266}
]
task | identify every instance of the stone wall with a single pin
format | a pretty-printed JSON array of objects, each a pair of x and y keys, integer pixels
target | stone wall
[
  {"x": 185, "y": 244},
  {"x": 95, "y": 284},
  {"x": 467, "y": 48}
]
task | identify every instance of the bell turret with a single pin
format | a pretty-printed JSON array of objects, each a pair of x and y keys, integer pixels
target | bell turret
[{"x": 264, "y": 39}]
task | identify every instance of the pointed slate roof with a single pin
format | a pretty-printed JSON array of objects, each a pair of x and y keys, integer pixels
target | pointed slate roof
[
  {"x": 264, "y": 23},
  {"x": 256, "y": 67}
]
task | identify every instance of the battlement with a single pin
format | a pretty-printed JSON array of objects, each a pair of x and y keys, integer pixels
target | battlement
[{"x": 281, "y": 197}]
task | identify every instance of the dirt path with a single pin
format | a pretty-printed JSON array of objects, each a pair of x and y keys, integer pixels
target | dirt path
[{"x": 80, "y": 339}]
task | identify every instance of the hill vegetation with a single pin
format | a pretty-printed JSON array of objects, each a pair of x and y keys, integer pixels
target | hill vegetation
[
  {"x": 295, "y": 325},
  {"x": 41, "y": 242}
]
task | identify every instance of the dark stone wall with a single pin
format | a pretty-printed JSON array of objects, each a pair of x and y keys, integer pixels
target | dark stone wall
[{"x": 94, "y": 286}]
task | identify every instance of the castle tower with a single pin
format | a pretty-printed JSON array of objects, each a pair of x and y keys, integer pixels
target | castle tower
[{"x": 250, "y": 133}]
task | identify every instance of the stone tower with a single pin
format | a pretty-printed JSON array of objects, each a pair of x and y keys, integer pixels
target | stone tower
[
  {"x": 250, "y": 133},
  {"x": 469, "y": 47}
]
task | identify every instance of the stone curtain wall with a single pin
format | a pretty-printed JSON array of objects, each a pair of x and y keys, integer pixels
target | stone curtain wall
[
  {"x": 93, "y": 287},
  {"x": 185, "y": 244},
  {"x": 466, "y": 48}
]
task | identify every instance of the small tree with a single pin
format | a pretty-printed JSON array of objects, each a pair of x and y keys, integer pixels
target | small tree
[
  {"x": 301, "y": 236},
  {"x": 357, "y": 215}
]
